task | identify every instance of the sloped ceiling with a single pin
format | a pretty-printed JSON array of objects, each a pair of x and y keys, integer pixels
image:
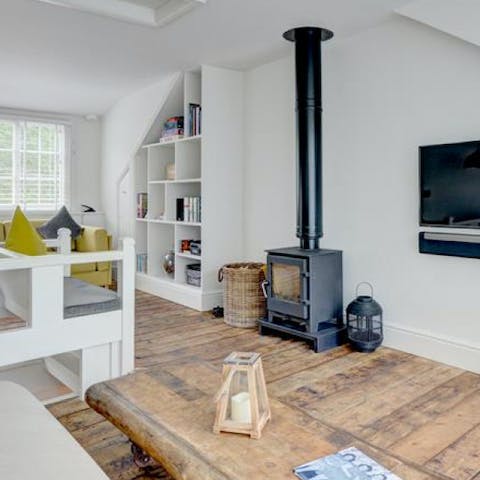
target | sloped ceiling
[
  {"x": 460, "y": 18},
  {"x": 60, "y": 59}
]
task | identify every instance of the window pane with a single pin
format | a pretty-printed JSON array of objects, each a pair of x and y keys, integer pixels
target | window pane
[
  {"x": 47, "y": 164},
  {"x": 32, "y": 158},
  {"x": 47, "y": 192},
  {"x": 31, "y": 164},
  {"x": 47, "y": 138},
  {"x": 31, "y": 192},
  {"x": 6, "y": 163},
  {"x": 6, "y": 191},
  {"x": 6, "y": 135},
  {"x": 31, "y": 137}
]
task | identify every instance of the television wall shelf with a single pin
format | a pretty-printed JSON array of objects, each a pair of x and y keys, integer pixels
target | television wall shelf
[{"x": 207, "y": 166}]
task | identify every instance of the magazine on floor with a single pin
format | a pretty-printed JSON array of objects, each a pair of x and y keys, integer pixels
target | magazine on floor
[{"x": 348, "y": 464}]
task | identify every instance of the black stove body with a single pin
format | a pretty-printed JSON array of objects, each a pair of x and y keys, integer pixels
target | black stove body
[
  {"x": 305, "y": 296},
  {"x": 304, "y": 284}
]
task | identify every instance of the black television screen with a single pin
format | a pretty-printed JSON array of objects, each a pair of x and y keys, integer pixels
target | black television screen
[{"x": 450, "y": 185}]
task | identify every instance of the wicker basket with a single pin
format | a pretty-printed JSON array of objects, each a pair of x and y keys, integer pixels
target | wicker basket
[{"x": 243, "y": 299}]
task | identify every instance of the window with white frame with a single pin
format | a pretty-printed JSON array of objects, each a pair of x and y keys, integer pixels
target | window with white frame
[{"x": 33, "y": 165}]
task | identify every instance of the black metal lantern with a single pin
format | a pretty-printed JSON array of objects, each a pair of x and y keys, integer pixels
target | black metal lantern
[{"x": 365, "y": 322}]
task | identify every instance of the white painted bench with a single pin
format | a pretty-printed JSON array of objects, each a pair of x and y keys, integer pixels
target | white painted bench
[
  {"x": 33, "y": 444},
  {"x": 79, "y": 348}
]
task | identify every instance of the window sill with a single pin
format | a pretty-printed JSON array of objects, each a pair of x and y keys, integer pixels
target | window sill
[{"x": 7, "y": 213}]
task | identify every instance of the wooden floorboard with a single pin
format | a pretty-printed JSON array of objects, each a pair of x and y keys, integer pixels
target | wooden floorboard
[{"x": 418, "y": 417}]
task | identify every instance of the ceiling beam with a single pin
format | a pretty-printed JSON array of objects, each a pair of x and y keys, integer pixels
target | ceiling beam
[{"x": 130, "y": 12}]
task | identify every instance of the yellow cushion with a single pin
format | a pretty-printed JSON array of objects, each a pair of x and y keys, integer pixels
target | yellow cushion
[
  {"x": 84, "y": 267},
  {"x": 97, "y": 278},
  {"x": 93, "y": 239},
  {"x": 23, "y": 238}
]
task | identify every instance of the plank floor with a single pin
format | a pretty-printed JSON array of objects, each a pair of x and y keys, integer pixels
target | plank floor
[{"x": 418, "y": 417}]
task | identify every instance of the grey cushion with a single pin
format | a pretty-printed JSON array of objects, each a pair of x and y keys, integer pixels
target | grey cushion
[
  {"x": 82, "y": 298},
  {"x": 62, "y": 219}
]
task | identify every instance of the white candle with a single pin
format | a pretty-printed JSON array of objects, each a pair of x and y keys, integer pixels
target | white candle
[{"x": 240, "y": 405}]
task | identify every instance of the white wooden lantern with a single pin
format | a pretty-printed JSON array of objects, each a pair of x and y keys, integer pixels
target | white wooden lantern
[{"x": 242, "y": 401}]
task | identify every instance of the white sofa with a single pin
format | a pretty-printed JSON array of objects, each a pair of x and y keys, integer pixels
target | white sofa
[{"x": 33, "y": 444}]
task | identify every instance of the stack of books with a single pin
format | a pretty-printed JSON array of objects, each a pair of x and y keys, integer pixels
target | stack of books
[
  {"x": 189, "y": 209},
  {"x": 195, "y": 113},
  {"x": 172, "y": 129},
  {"x": 142, "y": 205},
  {"x": 142, "y": 259}
]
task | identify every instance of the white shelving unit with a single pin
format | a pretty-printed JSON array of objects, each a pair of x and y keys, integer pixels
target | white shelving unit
[{"x": 207, "y": 165}]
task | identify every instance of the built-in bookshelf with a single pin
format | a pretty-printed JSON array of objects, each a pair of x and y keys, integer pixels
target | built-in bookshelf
[{"x": 206, "y": 185}]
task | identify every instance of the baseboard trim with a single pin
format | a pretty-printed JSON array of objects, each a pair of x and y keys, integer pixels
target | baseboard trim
[
  {"x": 202, "y": 301},
  {"x": 454, "y": 352},
  {"x": 211, "y": 300}
]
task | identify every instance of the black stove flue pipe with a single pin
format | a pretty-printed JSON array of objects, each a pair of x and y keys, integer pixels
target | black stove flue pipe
[{"x": 308, "y": 65}]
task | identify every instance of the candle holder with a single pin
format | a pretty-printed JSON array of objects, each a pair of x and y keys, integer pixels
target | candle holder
[{"x": 242, "y": 401}]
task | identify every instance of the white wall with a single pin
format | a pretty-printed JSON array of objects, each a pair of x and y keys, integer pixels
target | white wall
[
  {"x": 269, "y": 182},
  {"x": 124, "y": 128},
  {"x": 86, "y": 163},
  {"x": 387, "y": 91}
]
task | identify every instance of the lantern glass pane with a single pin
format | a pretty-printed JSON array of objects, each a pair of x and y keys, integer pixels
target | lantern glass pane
[
  {"x": 238, "y": 406},
  {"x": 365, "y": 328},
  {"x": 286, "y": 282},
  {"x": 262, "y": 406}
]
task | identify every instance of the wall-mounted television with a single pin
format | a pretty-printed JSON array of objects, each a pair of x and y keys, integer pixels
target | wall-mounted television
[{"x": 450, "y": 185}]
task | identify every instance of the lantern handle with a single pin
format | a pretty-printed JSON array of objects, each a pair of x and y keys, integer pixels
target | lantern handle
[{"x": 364, "y": 283}]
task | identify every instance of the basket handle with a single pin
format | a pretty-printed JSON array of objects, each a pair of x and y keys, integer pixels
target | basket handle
[
  {"x": 220, "y": 274},
  {"x": 364, "y": 283}
]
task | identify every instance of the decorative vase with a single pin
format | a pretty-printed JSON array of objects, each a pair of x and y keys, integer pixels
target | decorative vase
[
  {"x": 170, "y": 171},
  {"x": 169, "y": 262}
]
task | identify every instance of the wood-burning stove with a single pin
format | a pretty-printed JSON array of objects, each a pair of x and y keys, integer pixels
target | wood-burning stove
[
  {"x": 304, "y": 284},
  {"x": 304, "y": 296}
]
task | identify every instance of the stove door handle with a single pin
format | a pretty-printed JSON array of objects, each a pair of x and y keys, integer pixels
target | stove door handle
[{"x": 264, "y": 285}]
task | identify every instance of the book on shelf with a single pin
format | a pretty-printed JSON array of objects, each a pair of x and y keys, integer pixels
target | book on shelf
[
  {"x": 142, "y": 204},
  {"x": 189, "y": 209},
  {"x": 173, "y": 129},
  {"x": 195, "y": 119},
  {"x": 142, "y": 260},
  {"x": 347, "y": 464}
]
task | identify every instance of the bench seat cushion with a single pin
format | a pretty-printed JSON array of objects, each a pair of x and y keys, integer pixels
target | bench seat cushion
[
  {"x": 34, "y": 445},
  {"x": 82, "y": 298}
]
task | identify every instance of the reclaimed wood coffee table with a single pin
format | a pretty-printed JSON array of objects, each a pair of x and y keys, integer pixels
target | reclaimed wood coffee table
[{"x": 168, "y": 412}]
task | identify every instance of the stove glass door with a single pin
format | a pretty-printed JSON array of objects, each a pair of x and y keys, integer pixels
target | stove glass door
[
  {"x": 286, "y": 282},
  {"x": 288, "y": 290}
]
